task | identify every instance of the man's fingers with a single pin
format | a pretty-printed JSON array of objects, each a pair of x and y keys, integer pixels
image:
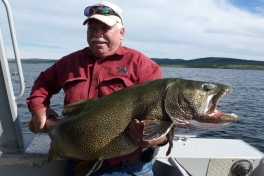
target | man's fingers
[
  {"x": 137, "y": 128},
  {"x": 40, "y": 117},
  {"x": 39, "y": 124}
]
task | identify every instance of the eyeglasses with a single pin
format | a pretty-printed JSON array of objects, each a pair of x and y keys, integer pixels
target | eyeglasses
[{"x": 102, "y": 10}]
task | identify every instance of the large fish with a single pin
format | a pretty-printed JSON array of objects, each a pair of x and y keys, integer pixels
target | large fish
[{"x": 95, "y": 129}]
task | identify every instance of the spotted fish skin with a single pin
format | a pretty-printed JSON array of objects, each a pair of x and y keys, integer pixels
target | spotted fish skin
[{"x": 95, "y": 129}]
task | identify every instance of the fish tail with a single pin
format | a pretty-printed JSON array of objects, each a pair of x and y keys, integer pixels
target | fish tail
[
  {"x": 51, "y": 154},
  {"x": 31, "y": 126}
]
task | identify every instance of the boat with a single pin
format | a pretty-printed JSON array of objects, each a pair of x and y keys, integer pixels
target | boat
[{"x": 25, "y": 153}]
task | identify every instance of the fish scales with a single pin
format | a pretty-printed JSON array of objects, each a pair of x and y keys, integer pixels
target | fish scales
[{"x": 103, "y": 124}]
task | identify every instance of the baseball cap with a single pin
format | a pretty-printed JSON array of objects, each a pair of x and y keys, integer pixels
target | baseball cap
[{"x": 106, "y": 12}]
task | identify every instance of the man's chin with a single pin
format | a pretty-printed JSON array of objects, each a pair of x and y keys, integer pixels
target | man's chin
[{"x": 100, "y": 53}]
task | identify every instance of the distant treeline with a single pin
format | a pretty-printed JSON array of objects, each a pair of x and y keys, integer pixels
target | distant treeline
[
  {"x": 208, "y": 62},
  {"x": 33, "y": 61},
  {"x": 212, "y": 62}
]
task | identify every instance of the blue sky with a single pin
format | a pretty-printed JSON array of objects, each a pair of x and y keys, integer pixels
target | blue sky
[
  {"x": 255, "y": 6},
  {"x": 185, "y": 29}
]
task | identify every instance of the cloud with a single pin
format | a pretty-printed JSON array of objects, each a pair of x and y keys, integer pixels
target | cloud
[{"x": 185, "y": 29}]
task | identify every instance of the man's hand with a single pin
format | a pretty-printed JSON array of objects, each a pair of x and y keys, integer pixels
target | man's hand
[
  {"x": 40, "y": 116},
  {"x": 135, "y": 132}
]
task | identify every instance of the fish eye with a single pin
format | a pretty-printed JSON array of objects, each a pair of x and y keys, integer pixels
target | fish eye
[{"x": 206, "y": 87}]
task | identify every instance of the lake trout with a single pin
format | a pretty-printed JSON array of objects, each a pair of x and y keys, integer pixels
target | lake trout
[{"x": 95, "y": 129}]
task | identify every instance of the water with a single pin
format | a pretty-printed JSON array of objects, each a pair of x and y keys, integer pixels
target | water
[{"x": 246, "y": 100}]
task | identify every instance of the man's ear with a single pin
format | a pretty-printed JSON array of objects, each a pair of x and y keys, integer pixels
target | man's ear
[{"x": 122, "y": 32}]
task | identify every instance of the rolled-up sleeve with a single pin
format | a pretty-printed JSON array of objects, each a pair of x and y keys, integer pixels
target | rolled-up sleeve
[{"x": 44, "y": 87}]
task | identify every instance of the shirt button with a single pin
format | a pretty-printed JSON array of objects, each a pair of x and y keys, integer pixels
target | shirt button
[
  {"x": 99, "y": 61},
  {"x": 95, "y": 79}
]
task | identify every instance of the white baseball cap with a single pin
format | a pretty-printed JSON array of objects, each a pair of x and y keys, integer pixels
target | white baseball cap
[{"x": 106, "y": 12}]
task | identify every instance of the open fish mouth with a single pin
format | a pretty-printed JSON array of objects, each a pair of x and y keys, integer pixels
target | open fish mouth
[{"x": 211, "y": 114}]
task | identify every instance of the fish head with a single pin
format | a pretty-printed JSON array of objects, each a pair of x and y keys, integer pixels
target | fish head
[{"x": 192, "y": 104}]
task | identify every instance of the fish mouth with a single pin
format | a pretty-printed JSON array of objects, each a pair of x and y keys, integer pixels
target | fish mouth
[{"x": 212, "y": 115}]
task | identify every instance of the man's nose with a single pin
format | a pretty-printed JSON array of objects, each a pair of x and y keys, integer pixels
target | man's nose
[{"x": 98, "y": 32}]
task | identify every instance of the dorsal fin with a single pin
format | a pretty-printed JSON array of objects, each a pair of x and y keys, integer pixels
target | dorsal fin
[{"x": 77, "y": 107}]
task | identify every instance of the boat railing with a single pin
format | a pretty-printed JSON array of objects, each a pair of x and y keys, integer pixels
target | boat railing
[
  {"x": 10, "y": 130},
  {"x": 16, "y": 52}
]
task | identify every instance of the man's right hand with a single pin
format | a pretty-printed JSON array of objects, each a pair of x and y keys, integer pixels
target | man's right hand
[{"x": 40, "y": 116}]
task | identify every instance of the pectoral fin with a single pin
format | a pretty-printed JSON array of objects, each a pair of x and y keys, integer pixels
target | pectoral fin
[
  {"x": 154, "y": 129},
  {"x": 88, "y": 167}
]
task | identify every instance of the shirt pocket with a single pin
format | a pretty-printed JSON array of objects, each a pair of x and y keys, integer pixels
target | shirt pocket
[
  {"x": 75, "y": 89},
  {"x": 113, "y": 84}
]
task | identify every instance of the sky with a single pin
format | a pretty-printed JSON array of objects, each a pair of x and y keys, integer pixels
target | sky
[{"x": 175, "y": 29}]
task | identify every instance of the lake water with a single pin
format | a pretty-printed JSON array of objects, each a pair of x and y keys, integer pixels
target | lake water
[{"x": 246, "y": 100}]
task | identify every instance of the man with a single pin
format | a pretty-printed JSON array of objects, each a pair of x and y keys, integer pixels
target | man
[{"x": 95, "y": 71}]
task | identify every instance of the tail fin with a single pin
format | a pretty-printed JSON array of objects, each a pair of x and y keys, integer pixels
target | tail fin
[
  {"x": 31, "y": 126},
  {"x": 51, "y": 154}
]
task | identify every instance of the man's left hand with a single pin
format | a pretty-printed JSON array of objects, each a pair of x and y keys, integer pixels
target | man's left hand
[{"x": 135, "y": 132}]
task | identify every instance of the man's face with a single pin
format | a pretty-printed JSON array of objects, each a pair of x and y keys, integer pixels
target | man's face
[{"x": 102, "y": 39}]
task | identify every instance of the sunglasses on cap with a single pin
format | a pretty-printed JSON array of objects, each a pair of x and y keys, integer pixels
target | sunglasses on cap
[{"x": 102, "y": 10}]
